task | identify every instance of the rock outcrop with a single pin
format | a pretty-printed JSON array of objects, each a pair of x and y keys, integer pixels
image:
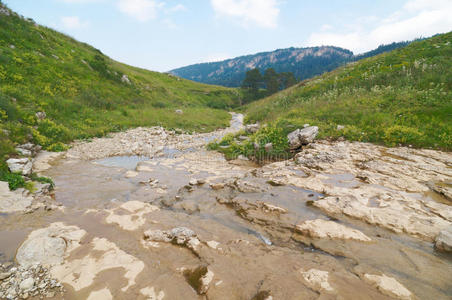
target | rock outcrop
[
  {"x": 302, "y": 137},
  {"x": 388, "y": 286}
]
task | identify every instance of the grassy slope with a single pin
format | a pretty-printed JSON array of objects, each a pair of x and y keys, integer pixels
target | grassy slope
[
  {"x": 81, "y": 91},
  {"x": 401, "y": 97}
]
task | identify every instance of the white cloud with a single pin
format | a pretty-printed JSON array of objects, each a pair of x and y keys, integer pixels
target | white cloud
[
  {"x": 81, "y": 1},
  {"x": 263, "y": 13},
  {"x": 142, "y": 10},
  {"x": 176, "y": 8},
  {"x": 73, "y": 22},
  {"x": 417, "y": 18}
]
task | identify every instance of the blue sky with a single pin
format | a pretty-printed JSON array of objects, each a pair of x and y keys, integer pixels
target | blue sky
[{"x": 164, "y": 34}]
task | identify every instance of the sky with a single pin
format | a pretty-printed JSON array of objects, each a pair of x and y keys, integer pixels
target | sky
[{"x": 161, "y": 35}]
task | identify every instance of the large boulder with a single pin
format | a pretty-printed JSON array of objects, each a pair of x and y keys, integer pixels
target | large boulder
[
  {"x": 20, "y": 165},
  {"x": 49, "y": 246},
  {"x": 302, "y": 137},
  {"x": 443, "y": 241}
]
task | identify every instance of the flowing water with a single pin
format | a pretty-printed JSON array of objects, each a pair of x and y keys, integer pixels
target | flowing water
[{"x": 259, "y": 253}]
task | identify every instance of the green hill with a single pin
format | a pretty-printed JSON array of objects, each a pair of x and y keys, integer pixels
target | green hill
[
  {"x": 84, "y": 93},
  {"x": 400, "y": 97}
]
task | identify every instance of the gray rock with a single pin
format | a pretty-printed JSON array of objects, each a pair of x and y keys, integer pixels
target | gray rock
[
  {"x": 125, "y": 79},
  {"x": 20, "y": 165},
  {"x": 27, "y": 284},
  {"x": 41, "y": 115},
  {"x": 252, "y": 128},
  {"x": 303, "y": 136},
  {"x": 443, "y": 241},
  {"x": 268, "y": 147},
  {"x": 4, "y": 275}
]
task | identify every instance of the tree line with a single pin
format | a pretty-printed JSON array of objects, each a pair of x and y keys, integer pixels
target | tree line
[{"x": 257, "y": 85}]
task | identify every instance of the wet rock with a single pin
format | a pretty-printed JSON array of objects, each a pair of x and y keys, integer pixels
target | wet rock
[
  {"x": 252, "y": 128},
  {"x": 180, "y": 236},
  {"x": 135, "y": 216},
  {"x": 48, "y": 246},
  {"x": 303, "y": 136},
  {"x": 263, "y": 295},
  {"x": 217, "y": 186},
  {"x": 20, "y": 165},
  {"x": 43, "y": 160},
  {"x": 317, "y": 280},
  {"x": 388, "y": 286},
  {"x": 443, "y": 241},
  {"x": 131, "y": 174},
  {"x": 200, "y": 279},
  {"x": 273, "y": 208},
  {"x": 442, "y": 189},
  {"x": 328, "y": 229}
]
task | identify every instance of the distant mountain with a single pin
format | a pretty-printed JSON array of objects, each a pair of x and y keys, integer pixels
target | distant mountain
[{"x": 304, "y": 63}]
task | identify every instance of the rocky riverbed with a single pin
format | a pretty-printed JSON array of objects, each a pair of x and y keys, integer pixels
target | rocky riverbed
[{"x": 151, "y": 214}]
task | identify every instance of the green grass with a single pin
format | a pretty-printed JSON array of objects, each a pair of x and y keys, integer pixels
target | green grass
[
  {"x": 83, "y": 95},
  {"x": 403, "y": 97}
]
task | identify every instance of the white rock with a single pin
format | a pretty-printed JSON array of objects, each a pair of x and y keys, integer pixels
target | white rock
[
  {"x": 27, "y": 284},
  {"x": 131, "y": 174},
  {"x": 213, "y": 244},
  {"x": 20, "y": 165},
  {"x": 328, "y": 229},
  {"x": 13, "y": 201},
  {"x": 125, "y": 79},
  {"x": 317, "y": 280},
  {"x": 48, "y": 246},
  {"x": 205, "y": 281},
  {"x": 304, "y": 136},
  {"x": 443, "y": 241},
  {"x": 389, "y": 286}
]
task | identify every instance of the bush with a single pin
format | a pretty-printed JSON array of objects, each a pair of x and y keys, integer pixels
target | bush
[
  {"x": 43, "y": 179},
  {"x": 399, "y": 134},
  {"x": 57, "y": 147},
  {"x": 14, "y": 180},
  {"x": 53, "y": 132}
]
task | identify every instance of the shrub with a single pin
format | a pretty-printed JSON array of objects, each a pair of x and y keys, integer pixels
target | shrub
[
  {"x": 399, "y": 134},
  {"x": 14, "y": 180}
]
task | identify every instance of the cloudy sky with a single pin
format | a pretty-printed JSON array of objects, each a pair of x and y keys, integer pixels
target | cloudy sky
[{"x": 165, "y": 34}]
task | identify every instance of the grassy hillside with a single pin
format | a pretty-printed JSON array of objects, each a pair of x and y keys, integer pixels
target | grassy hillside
[
  {"x": 85, "y": 94},
  {"x": 403, "y": 97}
]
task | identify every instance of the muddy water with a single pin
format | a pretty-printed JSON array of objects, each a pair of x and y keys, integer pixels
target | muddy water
[{"x": 259, "y": 251}]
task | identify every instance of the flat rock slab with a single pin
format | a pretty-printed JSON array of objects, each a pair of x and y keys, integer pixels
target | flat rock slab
[
  {"x": 13, "y": 201},
  {"x": 331, "y": 230}
]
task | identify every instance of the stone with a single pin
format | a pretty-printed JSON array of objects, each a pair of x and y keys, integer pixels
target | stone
[
  {"x": 27, "y": 284},
  {"x": 304, "y": 136},
  {"x": 213, "y": 244},
  {"x": 131, "y": 174},
  {"x": 268, "y": 147},
  {"x": 389, "y": 286},
  {"x": 179, "y": 111},
  {"x": 125, "y": 79},
  {"x": 200, "y": 279},
  {"x": 252, "y": 128},
  {"x": 331, "y": 230},
  {"x": 13, "y": 201},
  {"x": 340, "y": 127},
  {"x": 317, "y": 280},
  {"x": 48, "y": 246},
  {"x": 5, "y": 275},
  {"x": 41, "y": 115},
  {"x": 217, "y": 186},
  {"x": 273, "y": 208},
  {"x": 443, "y": 241},
  {"x": 20, "y": 165}
]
